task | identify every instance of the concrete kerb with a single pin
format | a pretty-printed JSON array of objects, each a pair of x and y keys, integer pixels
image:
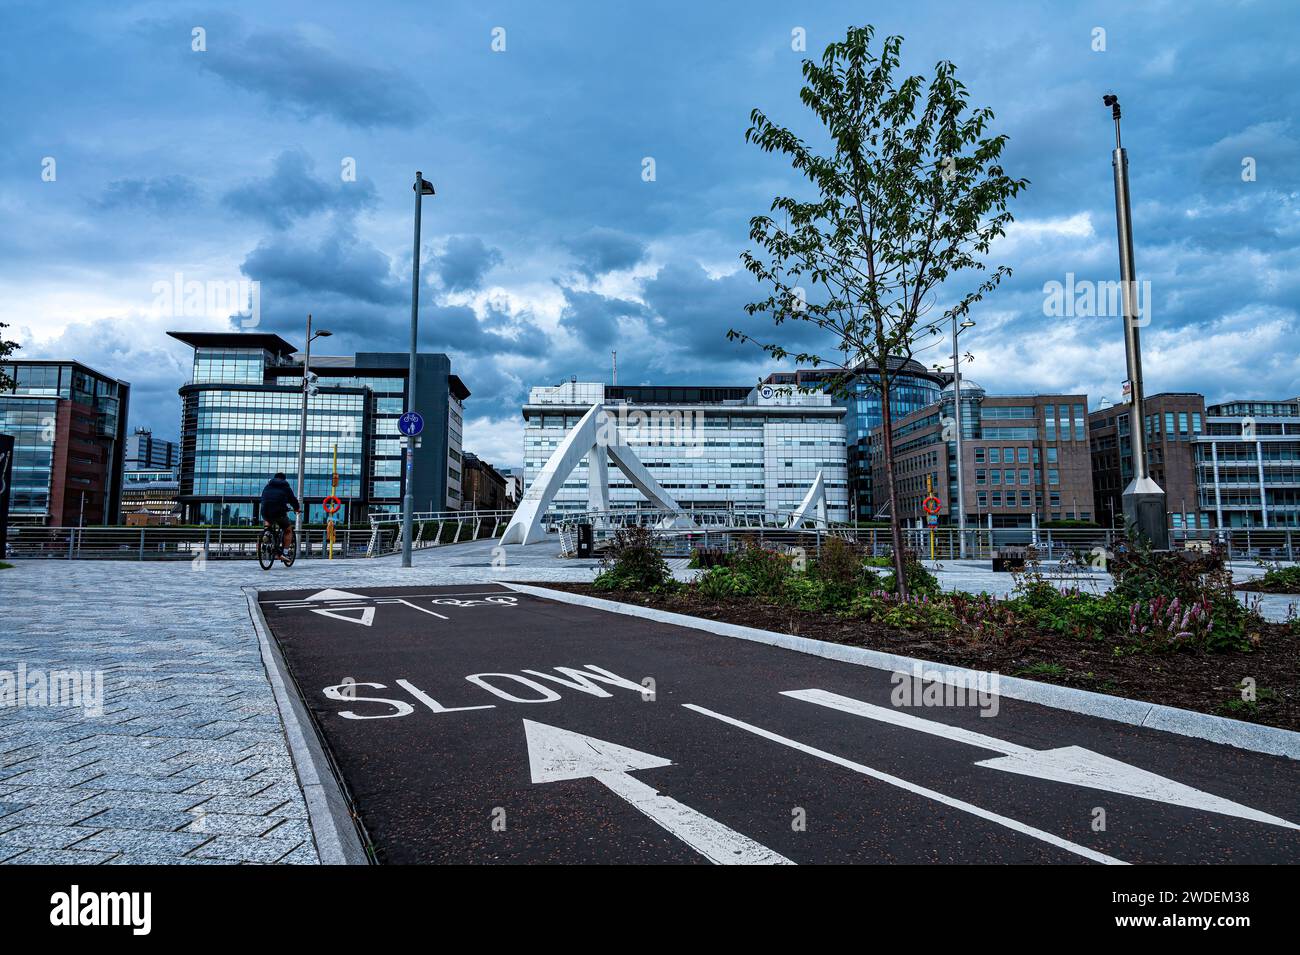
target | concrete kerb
[
  {"x": 335, "y": 829},
  {"x": 1216, "y": 729}
]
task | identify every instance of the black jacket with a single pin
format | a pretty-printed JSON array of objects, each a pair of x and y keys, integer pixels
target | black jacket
[{"x": 277, "y": 496}]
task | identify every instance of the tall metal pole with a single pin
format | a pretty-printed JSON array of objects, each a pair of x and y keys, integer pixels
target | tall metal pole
[
  {"x": 408, "y": 499},
  {"x": 302, "y": 436},
  {"x": 1144, "y": 499},
  {"x": 956, "y": 417}
]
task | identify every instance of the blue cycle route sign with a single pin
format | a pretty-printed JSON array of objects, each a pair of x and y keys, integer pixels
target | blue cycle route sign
[{"x": 411, "y": 423}]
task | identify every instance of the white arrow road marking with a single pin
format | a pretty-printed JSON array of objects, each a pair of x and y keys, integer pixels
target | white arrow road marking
[
  {"x": 334, "y": 595},
  {"x": 974, "y": 810},
  {"x": 555, "y": 754},
  {"x": 366, "y": 619},
  {"x": 1068, "y": 764}
]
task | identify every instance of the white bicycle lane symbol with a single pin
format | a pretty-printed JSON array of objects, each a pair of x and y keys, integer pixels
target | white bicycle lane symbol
[{"x": 503, "y": 601}]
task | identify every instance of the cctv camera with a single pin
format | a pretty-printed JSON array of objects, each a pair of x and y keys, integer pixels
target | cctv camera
[{"x": 1110, "y": 99}]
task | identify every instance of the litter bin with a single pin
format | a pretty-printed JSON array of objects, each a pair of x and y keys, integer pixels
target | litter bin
[{"x": 586, "y": 540}]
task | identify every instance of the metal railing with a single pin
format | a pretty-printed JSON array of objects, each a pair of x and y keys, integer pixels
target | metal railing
[
  {"x": 680, "y": 532},
  {"x": 172, "y": 543},
  {"x": 434, "y": 529}
]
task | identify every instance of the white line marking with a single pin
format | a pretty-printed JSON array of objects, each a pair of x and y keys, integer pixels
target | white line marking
[
  {"x": 1067, "y": 764},
  {"x": 555, "y": 754},
  {"x": 974, "y": 810},
  {"x": 422, "y": 610}
]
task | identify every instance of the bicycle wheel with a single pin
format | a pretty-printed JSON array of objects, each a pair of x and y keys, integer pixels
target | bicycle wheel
[
  {"x": 291, "y": 553},
  {"x": 266, "y": 549}
]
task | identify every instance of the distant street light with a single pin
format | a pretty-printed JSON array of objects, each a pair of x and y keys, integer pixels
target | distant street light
[
  {"x": 422, "y": 187},
  {"x": 302, "y": 431},
  {"x": 1144, "y": 499}
]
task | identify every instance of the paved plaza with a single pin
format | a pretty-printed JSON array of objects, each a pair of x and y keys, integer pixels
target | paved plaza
[{"x": 187, "y": 762}]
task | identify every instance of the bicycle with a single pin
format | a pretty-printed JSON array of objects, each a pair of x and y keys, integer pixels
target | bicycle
[{"x": 270, "y": 547}]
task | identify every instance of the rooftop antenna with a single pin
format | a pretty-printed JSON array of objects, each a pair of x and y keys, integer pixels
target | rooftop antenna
[{"x": 614, "y": 353}]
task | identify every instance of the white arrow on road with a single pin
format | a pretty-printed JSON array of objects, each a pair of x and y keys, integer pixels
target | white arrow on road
[
  {"x": 555, "y": 754},
  {"x": 1067, "y": 764}
]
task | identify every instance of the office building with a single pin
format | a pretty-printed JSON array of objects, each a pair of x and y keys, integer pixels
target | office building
[
  {"x": 1025, "y": 459},
  {"x": 911, "y": 388},
  {"x": 144, "y": 452},
  {"x": 240, "y": 424},
  {"x": 746, "y": 449},
  {"x": 1248, "y": 463},
  {"x": 1174, "y": 421},
  {"x": 485, "y": 487},
  {"x": 69, "y": 427},
  {"x": 150, "y": 498}
]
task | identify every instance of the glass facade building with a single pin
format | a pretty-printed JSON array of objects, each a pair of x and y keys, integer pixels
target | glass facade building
[
  {"x": 241, "y": 423},
  {"x": 69, "y": 427},
  {"x": 752, "y": 450},
  {"x": 911, "y": 388},
  {"x": 1248, "y": 463}
]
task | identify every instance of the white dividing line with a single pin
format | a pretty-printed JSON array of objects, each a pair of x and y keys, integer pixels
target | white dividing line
[
  {"x": 556, "y": 754},
  {"x": 974, "y": 810},
  {"x": 422, "y": 610}
]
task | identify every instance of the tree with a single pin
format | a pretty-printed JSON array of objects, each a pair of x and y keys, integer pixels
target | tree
[
  {"x": 909, "y": 196},
  {"x": 7, "y": 348}
]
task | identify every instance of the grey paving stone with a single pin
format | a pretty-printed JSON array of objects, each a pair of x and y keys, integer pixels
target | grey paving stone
[
  {"x": 115, "y": 799},
  {"x": 246, "y": 848},
  {"x": 46, "y": 796},
  {"x": 45, "y": 837},
  {"x": 57, "y": 857},
  {"x": 137, "y": 783},
  {"x": 290, "y": 829},
  {"x": 234, "y": 824},
  {"x": 48, "y": 816},
  {"x": 228, "y": 787},
  {"x": 245, "y": 805},
  {"x": 10, "y": 807},
  {"x": 305, "y": 854},
  {"x": 162, "y": 820},
  {"x": 139, "y": 840},
  {"x": 146, "y": 858}
]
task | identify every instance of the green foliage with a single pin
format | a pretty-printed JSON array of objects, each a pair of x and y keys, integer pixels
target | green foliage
[
  {"x": 633, "y": 562},
  {"x": 1279, "y": 580},
  {"x": 7, "y": 348},
  {"x": 920, "y": 582},
  {"x": 768, "y": 569},
  {"x": 907, "y": 613},
  {"x": 725, "y": 583}
]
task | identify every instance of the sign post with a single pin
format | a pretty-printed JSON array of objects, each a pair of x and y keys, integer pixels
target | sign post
[
  {"x": 932, "y": 506},
  {"x": 410, "y": 424}
]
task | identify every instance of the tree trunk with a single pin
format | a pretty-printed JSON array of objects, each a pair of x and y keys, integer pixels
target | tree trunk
[{"x": 887, "y": 434}]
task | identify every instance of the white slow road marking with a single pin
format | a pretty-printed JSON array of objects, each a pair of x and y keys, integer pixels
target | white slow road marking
[
  {"x": 555, "y": 754},
  {"x": 913, "y": 788},
  {"x": 1067, "y": 764}
]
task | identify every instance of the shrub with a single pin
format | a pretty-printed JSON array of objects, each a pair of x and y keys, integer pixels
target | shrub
[
  {"x": 920, "y": 582},
  {"x": 1162, "y": 624},
  {"x": 768, "y": 569},
  {"x": 633, "y": 562},
  {"x": 723, "y": 583},
  {"x": 914, "y": 613}
]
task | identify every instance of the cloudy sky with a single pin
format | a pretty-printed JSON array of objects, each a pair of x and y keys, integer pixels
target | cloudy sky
[{"x": 132, "y": 158}]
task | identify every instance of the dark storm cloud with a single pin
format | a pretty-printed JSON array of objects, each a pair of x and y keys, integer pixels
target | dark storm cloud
[
  {"x": 464, "y": 262},
  {"x": 339, "y": 264},
  {"x": 310, "y": 80},
  {"x": 594, "y": 319},
  {"x": 600, "y": 250},
  {"x": 293, "y": 191}
]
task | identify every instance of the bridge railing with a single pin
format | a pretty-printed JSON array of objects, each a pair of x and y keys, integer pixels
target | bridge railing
[
  {"x": 171, "y": 543},
  {"x": 434, "y": 529}
]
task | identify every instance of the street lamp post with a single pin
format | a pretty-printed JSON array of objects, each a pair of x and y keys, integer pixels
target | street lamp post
[
  {"x": 1144, "y": 499},
  {"x": 956, "y": 417},
  {"x": 302, "y": 430},
  {"x": 422, "y": 188}
]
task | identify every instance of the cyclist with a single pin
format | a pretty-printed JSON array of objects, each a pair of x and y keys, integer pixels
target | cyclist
[{"x": 277, "y": 499}]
